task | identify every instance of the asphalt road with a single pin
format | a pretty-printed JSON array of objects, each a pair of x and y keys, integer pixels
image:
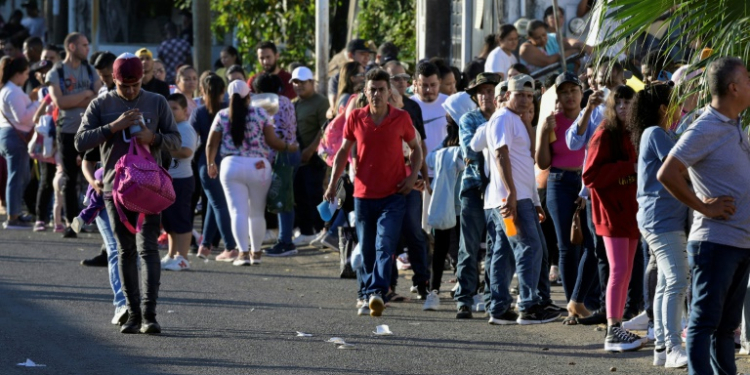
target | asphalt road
[{"x": 219, "y": 319}]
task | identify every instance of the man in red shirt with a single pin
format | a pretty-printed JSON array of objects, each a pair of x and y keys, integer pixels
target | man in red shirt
[
  {"x": 268, "y": 56},
  {"x": 380, "y": 184}
]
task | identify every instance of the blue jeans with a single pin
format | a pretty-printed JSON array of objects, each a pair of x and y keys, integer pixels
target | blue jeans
[
  {"x": 339, "y": 220},
  {"x": 378, "y": 229},
  {"x": 217, "y": 213},
  {"x": 499, "y": 266},
  {"x": 286, "y": 219},
  {"x": 669, "y": 251},
  {"x": 529, "y": 248},
  {"x": 414, "y": 238},
  {"x": 720, "y": 275},
  {"x": 577, "y": 269},
  {"x": 102, "y": 223},
  {"x": 14, "y": 150},
  {"x": 472, "y": 225}
]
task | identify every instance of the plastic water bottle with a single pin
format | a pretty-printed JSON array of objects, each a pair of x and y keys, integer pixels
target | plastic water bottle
[{"x": 510, "y": 226}]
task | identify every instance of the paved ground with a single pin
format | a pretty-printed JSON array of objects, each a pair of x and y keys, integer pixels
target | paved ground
[{"x": 219, "y": 319}]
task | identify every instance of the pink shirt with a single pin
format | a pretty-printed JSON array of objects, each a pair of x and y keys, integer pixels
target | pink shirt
[{"x": 562, "y": 156}]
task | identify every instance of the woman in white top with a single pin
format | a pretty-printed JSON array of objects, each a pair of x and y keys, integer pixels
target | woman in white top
[
  {"x": 502, "y": 58},
  {"x": 16, "y": 123}
]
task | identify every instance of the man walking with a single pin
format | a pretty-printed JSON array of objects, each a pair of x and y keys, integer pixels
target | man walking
[
  {"x": 380, "y": 184},
  {"x": 73, "y": 84},
  {"x": 715, "y": 151},
  {"x": 268, "y": 57}
]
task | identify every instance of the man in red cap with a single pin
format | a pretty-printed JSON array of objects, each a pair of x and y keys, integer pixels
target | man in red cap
[{"x": 111, "y": 122}]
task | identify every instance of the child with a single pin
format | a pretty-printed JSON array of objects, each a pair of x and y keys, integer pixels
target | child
[
  {"x": 96, "y": 204},
  {"x": 178, "y": 218}
]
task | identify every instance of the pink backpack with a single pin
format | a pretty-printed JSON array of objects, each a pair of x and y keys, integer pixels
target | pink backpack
[{"x": 141, "y": 185}]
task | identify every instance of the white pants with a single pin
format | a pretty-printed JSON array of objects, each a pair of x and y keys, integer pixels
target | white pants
[{"x": 245, "y": 187}]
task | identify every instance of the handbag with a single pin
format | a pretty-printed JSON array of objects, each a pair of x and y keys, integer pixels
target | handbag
[
  {"x": 347, "y": 242},
  {"x": 280, "y": 196},
  {"x": 576, "y": 232},
  {"x": 25, "y": 137}
]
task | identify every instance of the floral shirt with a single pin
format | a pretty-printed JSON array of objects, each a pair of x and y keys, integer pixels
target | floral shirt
[
  {"x": 285, "y": 123},
  {"x": 254, "y": 145}
]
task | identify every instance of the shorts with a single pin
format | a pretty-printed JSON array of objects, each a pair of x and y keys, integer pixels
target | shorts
[{"x": 178, "y": 218}]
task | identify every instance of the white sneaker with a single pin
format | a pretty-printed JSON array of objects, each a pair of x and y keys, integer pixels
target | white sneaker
[
  {"x": 303, "y": 240},
  {"x": 77, "y": 224},
  {"x": 121, "y": 315},
  {"x": 178, "y": 264},
  {"x": 745, "y": 349},
  {"x": 638, "y": 323},
  {"x": 676, "y": 358},
  {"x": 271, "y": 236},
  {"x": 432, "y": 302},
  {"x": 165, "y": 260},
  {"x": 319, "y": 237},
  {"x": 413, "y": 289},
  {"x": 479, "y": 305},
  {"x": 649, "y": 335},
  {"x": 363, "y": 310},
  {"x": 402, "y": 262},
  {"x": 660, "y": 358}
]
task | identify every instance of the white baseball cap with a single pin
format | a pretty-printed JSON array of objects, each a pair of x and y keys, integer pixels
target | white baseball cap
[
  {"x": 238, "y": 87},
  {"x": 302, "y": 73}
]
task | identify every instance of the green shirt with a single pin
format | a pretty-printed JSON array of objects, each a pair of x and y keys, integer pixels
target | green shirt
[{"x": 311, "y": 116}]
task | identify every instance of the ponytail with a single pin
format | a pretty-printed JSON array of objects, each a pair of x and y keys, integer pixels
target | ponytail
[{"x": 237, "y": 114}]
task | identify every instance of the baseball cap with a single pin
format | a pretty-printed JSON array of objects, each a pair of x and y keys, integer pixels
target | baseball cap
[
  {"x": 567, "y": 77},
  {"x": 127, "y": 68},
  {"x": 483, "y": 78},
  {"x": 458, "y": 104},
  {"x": 358, "y": 45},
  {"x": 144, "y": 51},
  {"x": 522, "y": 83},
  {"x": 302, "y": 73},
  {"x": 501, "y": 88},
  {"x": 239, "y": 87},
  {"x": 41, "y": 66}
]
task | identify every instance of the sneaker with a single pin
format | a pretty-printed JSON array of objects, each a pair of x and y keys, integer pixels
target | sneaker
[
  {"x": 319, "y": 237},
  {"x": 479, "y": 305},
  {"x": 204, "y": 252},
  {"x": 59, "y": 228},
  {"x": 597, "y": 317},
  {"x": 620, "y": 340},
  {"x": 330, "y": 241},
  {"x": 422, "y": 292},
  {"x": 650, "y": 333},
  {"x": 272, "y": 235},
  {"x": 303, "y": 240},
  {"x": 15, "y": 224},
  {"x": 537, "y": 315},
  {"x": 660, "y": 357},
  {"x": 121, "y": 315},
  {"x": 464, "y": 312},
  {"x": 178, "y": 264},
  {"x": 165, "y": 260},
  {"x": 376, "y": 305},
  {"x": 509, "y": 317},
  {"x": 242, "y": 260},
  {"x": 69, "y": 233},
  {"x": 639, "y": 323},
  {"x": 363, "y": 310},
  {"x": 676, "y": 358},
  {"x": 402, "y": 262},
  {"x": 255, "y": 258},
  {"x": 97, "y": 261},
  {"x": 453, "y": 290},
  {"x": 413, "y": 289},
  {"x": 282, "y": 250},
  {"x": 361, "y": 302},
  {"x": 554, "y": 274},
  {"x": 77, "y": 224},
  {"x": 40, "y": 226},
  {"x": 432, "y": 302},
  {"x": 228, "y": 255},
  {"x": 554, "y": 308}
]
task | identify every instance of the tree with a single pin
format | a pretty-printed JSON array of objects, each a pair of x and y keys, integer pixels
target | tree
[{"x": 389, "y": 21}]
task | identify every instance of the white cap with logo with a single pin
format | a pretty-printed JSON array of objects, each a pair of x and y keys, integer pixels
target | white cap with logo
[{"x": 302, "y": 73}]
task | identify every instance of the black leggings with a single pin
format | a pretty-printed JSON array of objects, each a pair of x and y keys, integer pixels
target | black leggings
[
  {"x": 46, "y": 191},
  {"x": 66, "y": 144},
  {"x": 446, "y": 242}
]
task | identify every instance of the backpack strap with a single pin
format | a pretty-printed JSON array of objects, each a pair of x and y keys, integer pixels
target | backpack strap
[
  {"x": 61, "y": 76},
  {"x": 91, "y": 74}
]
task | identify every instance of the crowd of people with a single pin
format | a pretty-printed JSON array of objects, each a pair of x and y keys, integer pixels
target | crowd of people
[{"x": 631, "y": 197}]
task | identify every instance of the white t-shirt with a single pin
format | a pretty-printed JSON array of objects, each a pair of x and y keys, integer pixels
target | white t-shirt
[
  {"x": 35, "y": 26},
  {"x": 499, "y": 62},
  {"x": 507, "y": 129},
  {"x": 433, "y": 115},
  {"x": 181, "y": 168}
]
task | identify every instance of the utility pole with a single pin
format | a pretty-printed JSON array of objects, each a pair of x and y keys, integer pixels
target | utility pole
[
  {"x": 321, "y": 45},
  {"x": 202, "y": 35}
]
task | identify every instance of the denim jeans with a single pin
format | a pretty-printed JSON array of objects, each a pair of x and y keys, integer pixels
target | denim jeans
[
  {"x": 308, "y": 193},
  {"x": 102, "y": 223},
  {"x": 130, "y": 246},
  {"x": 286, "y": 219},
  {"x": 13, "y": 149},
  {"x": 379, "y": 224},
  {"x": 499, "y": 266},
  {"x": 577, "y": 269},
  {"x": 650, "y": 277},
  {"x": 668, "y": 250},
  {"x": 472, "y": 225},
  {"x": 414, "y": 238},
  {"x": 217, "y": 213},
  {"x": 529, "y": 248},
  {"x": 339, "y": 220},
  {"x": 720, "y": 276}
]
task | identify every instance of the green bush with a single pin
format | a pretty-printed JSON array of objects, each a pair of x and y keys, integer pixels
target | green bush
[{"x": 389, "y": 21}]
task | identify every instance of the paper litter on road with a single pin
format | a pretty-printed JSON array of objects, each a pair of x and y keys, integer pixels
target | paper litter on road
[
  {"x": 170, "y": 311},
  {"x": 30, "y": 363},
  {"x": 337, "y": 340},
  {"x": 302, "y": 334},
  {"x": 382, "y": 330},
  {"x": 345, "y": 346}
]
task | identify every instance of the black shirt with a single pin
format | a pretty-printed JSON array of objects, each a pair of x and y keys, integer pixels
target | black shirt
[
  {"x": 157, "y": 86},
  {"x": 412, "y": 108}
]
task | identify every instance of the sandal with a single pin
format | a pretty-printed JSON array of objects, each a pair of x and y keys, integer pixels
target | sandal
[
  {"x": 570, "y": 320},
  {"x": 393, "y": 297}
]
